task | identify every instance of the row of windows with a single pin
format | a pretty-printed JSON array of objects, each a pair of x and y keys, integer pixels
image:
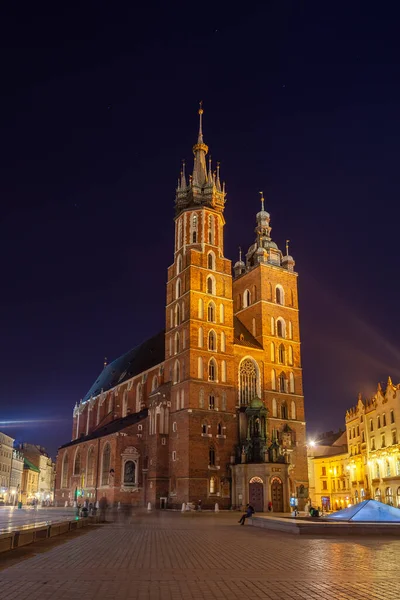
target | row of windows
[
  {"x": 212, "y": 340},
  {"x": 281, "y": 411},
  {"x": 283, "y": 356},
  {"x": 90, "y": 464},
  {"x": 194, "y": 236},
  {"x": 212, "y": 370},
  {"x": 211, "y": 264},
  {"x": 177, "y": 314},
  {"x": 388, "y": 496},
  {"x": 386, "y": 470},
  {"x": 213, "y": 401},
  {"x": 381, "y": 423},
  {"x": 278, "y": 327}
]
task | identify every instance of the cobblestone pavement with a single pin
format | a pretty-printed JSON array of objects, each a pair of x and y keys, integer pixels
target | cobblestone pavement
[{"x": 169, "y": 556}]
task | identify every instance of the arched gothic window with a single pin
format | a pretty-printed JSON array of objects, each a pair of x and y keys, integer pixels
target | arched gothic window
[
  {"x": 290, "y": 355},
  {"x": 223, "y": 342},
  {"x": 212, "y": 370},
  {"x": 284, "y": 411},
  {"x": 125, "y": 404},
  {"x": 194, "y": 229},
  {"x": 178, "y": 289},
  {"x": 129, "y": 472},
  {"x": 77, "y": 463},
  {"x": 177, "y": 372},
  {"x": 201, "y": 309},
  {"x": 272, "y": 346},
  {"x": 282, "y": 354},
  {"x": 65, "y": 465},
  {"x": 291, "y": 383},
  {"x": 273, "y": 379},
  {"x": 211, "y": 285},
  {"x": 138, "y": 397},
  {"x": 293, "y": 410},
  {"x": 280, "y": 328},
  {"x": 249, "y": 381},
  {"x": 105, "y": 465},
  {"x": 179, "y": 264},
  {"x": 274, "y": 408},
  {"x": 211, "y": 312},
  {"x": 90, "y": 467},
  {"x": 177, "y": 315},
  {"x": 211, "y": 261},
  {"x": 210, "y": 229},
  {"x": 246, "y": 298},
  {"x": 212, "y": 341},
  {"x": 221, "y": 313},
  {"x": 223, "y": 371},
  {"x": 154, "y": 383},
  {"x": 200, "y": 368},
  {"x": 219, "y": 429},
  {"x": 282, "y": 383},
  {"x": 279, "y": 295},
  {"x": 201, "y": 337},
  {"x": 211, "y": 457},
  {"x": 177, "y": 343}
]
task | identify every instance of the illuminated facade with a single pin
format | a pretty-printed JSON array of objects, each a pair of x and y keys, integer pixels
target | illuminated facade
[
  {"x": 212, "y": 408},
  {"x": 30, "y": 483},
  {"x": 6, "y": 453},
  {"x": 374, "y": 449}
]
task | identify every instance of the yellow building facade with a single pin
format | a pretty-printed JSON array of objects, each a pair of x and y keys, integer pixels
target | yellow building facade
[{"x": 30, "y": 483}]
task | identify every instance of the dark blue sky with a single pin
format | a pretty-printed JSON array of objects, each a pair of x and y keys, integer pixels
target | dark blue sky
[{"x": 98, "y": 107}]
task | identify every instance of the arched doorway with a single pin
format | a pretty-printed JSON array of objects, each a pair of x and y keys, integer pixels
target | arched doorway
[
  {"x": 277, "y": 494},
  {"x": 256, "y": 493}
]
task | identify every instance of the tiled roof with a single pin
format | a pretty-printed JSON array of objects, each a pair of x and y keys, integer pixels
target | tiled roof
[
  {"x": 242, "y": 335},
  {"x": 137, "y": 360},
  {"x": 113, "y": 427}
]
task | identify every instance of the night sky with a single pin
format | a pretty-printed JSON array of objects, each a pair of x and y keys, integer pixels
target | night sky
[{"x": 98, "y": 107}]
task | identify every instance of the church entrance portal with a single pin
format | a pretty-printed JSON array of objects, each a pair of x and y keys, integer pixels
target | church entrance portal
[
  {"x": 256, "y": 494},
  {"x": 277, "y": 494}
]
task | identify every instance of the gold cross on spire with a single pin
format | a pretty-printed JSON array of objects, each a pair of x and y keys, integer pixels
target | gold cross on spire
[{"x": 262, "y": 201}]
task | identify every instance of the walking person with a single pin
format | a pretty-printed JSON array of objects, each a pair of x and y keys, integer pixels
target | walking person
[{"x": 249, "y": 513}]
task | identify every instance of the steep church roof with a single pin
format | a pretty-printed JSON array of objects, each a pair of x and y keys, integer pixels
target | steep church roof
[
  {"x": 139, "y": 359},
  {"x": 242, "y": 335}
]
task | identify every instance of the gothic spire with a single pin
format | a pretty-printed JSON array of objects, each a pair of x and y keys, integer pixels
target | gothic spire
[{"x": 200, "y": 150}]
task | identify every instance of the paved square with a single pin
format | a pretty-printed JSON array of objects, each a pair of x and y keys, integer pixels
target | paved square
[{"x": 169, "y": 556}]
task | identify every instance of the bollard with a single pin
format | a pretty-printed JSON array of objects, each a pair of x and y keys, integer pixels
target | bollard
[
  {"x": 149, "y": 506},
  {"x": 216, "y": 507},
  {"x": 183, "y": 507}
]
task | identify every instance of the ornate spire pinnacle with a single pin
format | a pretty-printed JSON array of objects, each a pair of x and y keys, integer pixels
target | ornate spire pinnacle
[
  {"x": 200, "y": 136},
  {"x": 240, "y": 254},
  {"x": 389, "y": 382},
  {"x": 210, "y": 176},
  {"x": 183, "y": 176},
  {"x": 287, "y": 247},
  {"x": 200, "y": 150},
  {"x": 262, "y": 200},
  {"x": 218, "y": 182}
]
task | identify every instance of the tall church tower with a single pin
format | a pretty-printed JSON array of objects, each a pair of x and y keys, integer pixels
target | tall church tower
[
  {"x": 266, "y": 302},
  {"x": 199, "y": 340}
]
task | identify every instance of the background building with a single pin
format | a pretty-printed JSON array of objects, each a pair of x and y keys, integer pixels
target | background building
[
  {"x": 6, "y": 452},
  {"x": 38, "y": 457},
  {"x": 30, "y": 483},
  {"x": 212, "y": 408},
  {"x": 17, "y": 468}
]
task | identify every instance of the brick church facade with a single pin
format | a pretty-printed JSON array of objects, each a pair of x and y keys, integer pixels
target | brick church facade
[{"x": 212, "y": 408}]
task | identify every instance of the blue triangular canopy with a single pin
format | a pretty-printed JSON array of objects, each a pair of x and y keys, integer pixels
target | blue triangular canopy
[{"x": 368, "y": 510}]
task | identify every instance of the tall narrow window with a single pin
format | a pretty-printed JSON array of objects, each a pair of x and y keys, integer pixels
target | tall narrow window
[
  {"x": 65, "y": 466},
  {"x": 200, "y": 367},
  {"x": 178, "y": 289},
  {"x": 90, "y": 468},
  {"x": 272, "y": 347},
  {"x": 177, "y": 315},
  {"x": 282, "y": 383},
  {"x": 210, "y": 285},
  {"x": 105, "y": 465},
  {"x": 211, "y": 402},
  {"x": 290, "y": 355},
  {"x": 194, "y": 229},
  {"x": 273, "y": 379},
  {"x": 125, "y": 404},
  {"x": 210, "y": 230},
  {"x": 201, "y": 398},
  {"x": 223, "y": 371},
  {"x": 212, "y": 485},
  {"x": 272, "y": 326},
  {"x": 391, "y": 416},
  {"x": 293, "y": 410},
  {"x": 223, "y": 401},
  {"x": 211, "y": 261},
  {"x": 211, "y": 312},
  {"x": 291, "y": 383},
  {"x": 248, "y": 381},
  {"x": 223, "y": 342},
  {"x": 274, "y": 408},
  {"x": 281, "y": 354},
  {"x": 179, "y": 264},
  {"x": 284, "y": 411},
  {"x": 246, "y": 298},
  {"x": 280, "y": 328},
  {"x": 201, "y": 309},
  {"x": 177, "y": 343},
  {"x": 177, "y": 372},
  {"x": 201, "y": 337},
  {"x": 77, "y": 463},
  {"x": 212, "y": 342},
  {"x": 290, "y": 330},
  {"x": 212, "y": 370},
  {"x": 138, "y": 397},
  {"x": 211, "y": 457},
  {"x": 221, "y": 313},
  {"x": 279, "y": 297}
]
